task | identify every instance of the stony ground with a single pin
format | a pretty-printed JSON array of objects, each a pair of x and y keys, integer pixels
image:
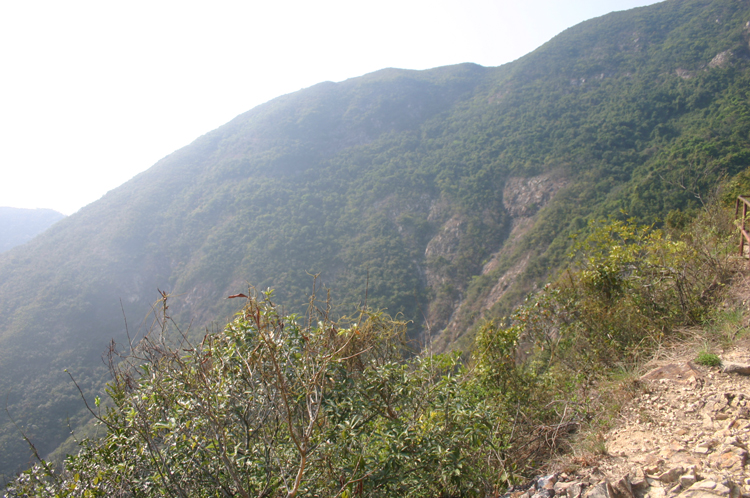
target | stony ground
[{"x": 686, "y": 434}]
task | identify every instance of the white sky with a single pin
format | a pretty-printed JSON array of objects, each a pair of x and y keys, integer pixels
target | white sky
[{"x": 94, "y": 92}]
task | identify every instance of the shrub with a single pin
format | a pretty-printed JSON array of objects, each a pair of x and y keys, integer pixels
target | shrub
[
  {"x": 629, "y": 288},
  {"x": 283, "y": 405},
  {"x": 271, "y": 407},
  {"x": 708, "y": 359}
]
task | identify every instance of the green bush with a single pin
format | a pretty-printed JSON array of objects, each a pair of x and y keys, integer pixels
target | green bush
[
  {"x": 286, "y": 405},
  {"x": 271, "y": 407},
  {"x": 629, "y": 288},
  {"x": 708, "y": 359}
]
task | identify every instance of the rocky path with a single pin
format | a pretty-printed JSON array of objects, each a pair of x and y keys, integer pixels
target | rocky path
[{"x": 686, "y": 435}]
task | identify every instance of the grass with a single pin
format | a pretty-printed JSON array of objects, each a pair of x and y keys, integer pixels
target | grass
[{"x": 708, "y": 359}]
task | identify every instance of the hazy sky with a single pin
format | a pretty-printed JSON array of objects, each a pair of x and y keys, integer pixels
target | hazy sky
[{"x": 94, "y": 92}]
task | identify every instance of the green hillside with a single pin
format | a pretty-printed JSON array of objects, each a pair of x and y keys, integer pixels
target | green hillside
[{"x": 443, "y": 195}]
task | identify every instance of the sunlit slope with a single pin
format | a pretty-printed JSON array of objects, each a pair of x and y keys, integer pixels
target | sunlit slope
[{"x": 444, "y": 195}]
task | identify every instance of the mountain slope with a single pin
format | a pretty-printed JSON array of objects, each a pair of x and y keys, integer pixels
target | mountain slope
[
  {"x": 18, "y": 226},
  {"x": 445, "y": 195}
]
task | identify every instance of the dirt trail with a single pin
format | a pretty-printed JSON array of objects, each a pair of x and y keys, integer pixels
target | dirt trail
[{"x": 686, "y": 435}]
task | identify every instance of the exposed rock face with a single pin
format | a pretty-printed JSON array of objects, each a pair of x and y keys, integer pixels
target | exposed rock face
[
  {"x": 444, "y": 245},
  {"x": 722, "y": 59},
  {"x": 504, "y": 282},
  {"x": 523, "y": 197}
]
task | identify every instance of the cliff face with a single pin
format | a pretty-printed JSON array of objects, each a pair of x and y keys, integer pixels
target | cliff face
[{"x": 522, "y": 199}]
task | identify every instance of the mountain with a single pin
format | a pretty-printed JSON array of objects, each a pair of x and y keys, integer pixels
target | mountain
[
  {"x": 443, "y": 195},
  {"x": 18, "y": 226}
]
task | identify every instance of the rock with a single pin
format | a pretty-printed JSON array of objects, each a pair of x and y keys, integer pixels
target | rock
[
  {"x": 684, "y": 373},
  {"x": 722, "y": 59},
  {"x": 672, "y": 475},
  {"x": 544, "y": 486},
  {"x": 561, "y": 488},
  {"x": 677, "y": 439},
  {"x": 736, "y": 368},
  {"x": 621, "y": 489},
  {"x": 656, "y": 493},
  {"x": 546, "y": 482},
  {"x": 652, "y": 469},
  {"x": 730, "y": 440},
  {"x": 543, "y": 493},
  {"x": 638, "y": 480},
  {"x": 733, "y": 441},
  {"x": 575, "y": 490},
  {"x": 687, "y": 480},
  {"x": 732, "y": 458},
  {"x": 702, "y": 449},
  {"x": 735, "y": 490},
  {"x": 707, "y": 489},
  {"x": 598, "y": 491},
  {"x": 524, "y": 196}
]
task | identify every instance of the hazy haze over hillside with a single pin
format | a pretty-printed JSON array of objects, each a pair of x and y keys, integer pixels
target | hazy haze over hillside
[
  {"x": 98, "y": 92},
  {"x": 21, "y": 225}
]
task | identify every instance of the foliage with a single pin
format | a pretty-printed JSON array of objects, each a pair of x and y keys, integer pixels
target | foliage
[
  {"x": 271, "y": 407},
  {"x": 708, "y": 359},
  {"x": 630, "y": 288},
  {"x": 288, "y": 405}
]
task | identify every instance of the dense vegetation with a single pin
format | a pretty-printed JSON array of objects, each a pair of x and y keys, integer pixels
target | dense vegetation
[
  {"x": 390, "y": 186},
  {"x": 278, "y": 405}
]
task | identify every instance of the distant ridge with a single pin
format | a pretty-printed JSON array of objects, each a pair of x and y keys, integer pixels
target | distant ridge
[{"x": 18, "y": 225}]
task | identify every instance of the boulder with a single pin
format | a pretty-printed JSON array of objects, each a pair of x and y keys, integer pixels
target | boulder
[
  {"x": 736, "y": 368},
  {"x": 598, "y": 491},
  {"x": 708, "y": 489}
]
